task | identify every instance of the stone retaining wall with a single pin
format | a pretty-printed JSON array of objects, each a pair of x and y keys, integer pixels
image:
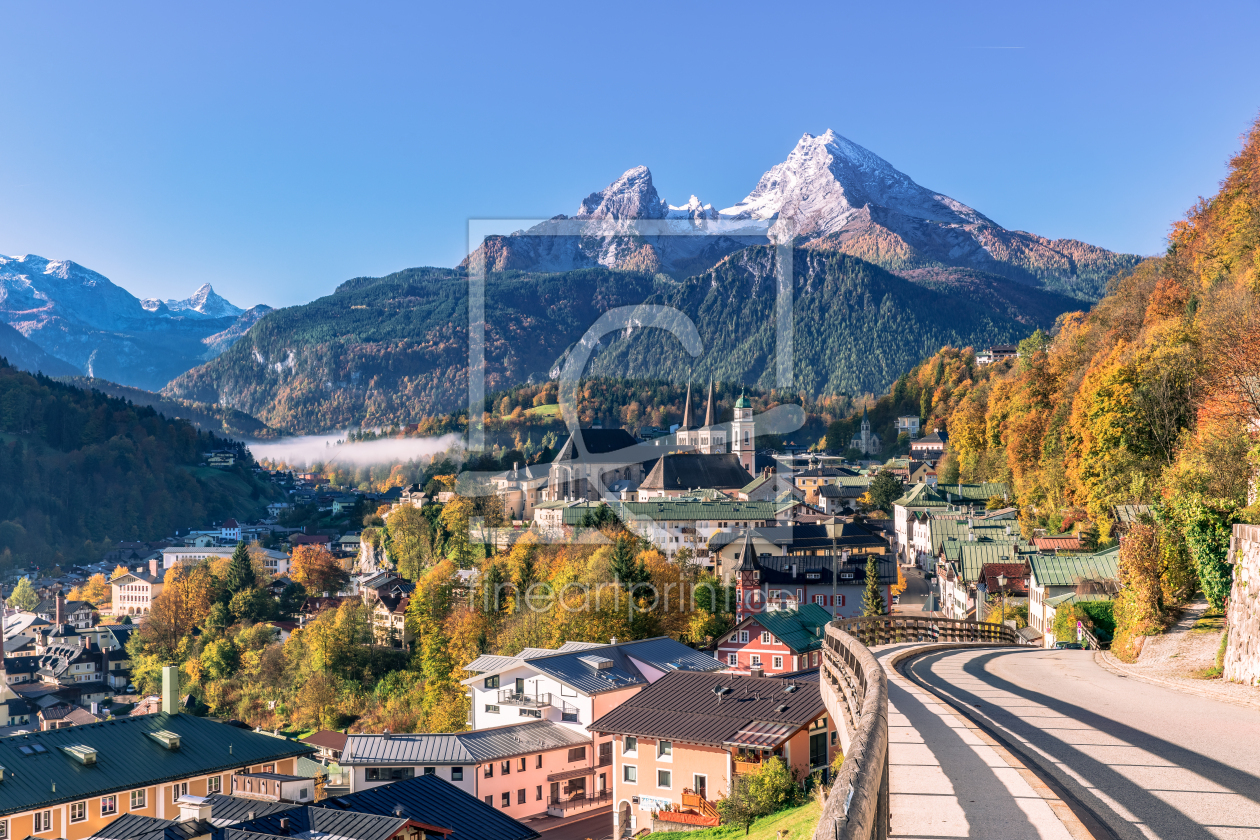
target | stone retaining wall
[{"x": 1242, "y": 655}]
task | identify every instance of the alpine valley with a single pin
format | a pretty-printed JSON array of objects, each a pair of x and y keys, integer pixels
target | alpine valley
[{"x": 884, "y": 271}]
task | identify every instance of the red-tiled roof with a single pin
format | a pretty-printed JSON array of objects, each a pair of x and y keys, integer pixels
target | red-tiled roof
[
  {"x": 1016, "y": 577},
  {"x": 1057, "y": 543},
  {"x": 327, "y": 739}
]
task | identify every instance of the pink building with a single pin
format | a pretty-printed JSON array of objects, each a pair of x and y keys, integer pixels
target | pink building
[
  {"x": 776, "y": 642},
  {"x": 680, "y": 742}
]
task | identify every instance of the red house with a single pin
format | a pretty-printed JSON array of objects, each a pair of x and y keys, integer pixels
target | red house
[{"x": 777, "y": 642}]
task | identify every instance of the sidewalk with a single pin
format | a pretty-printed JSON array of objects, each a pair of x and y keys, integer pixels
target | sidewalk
[{"x": 949, "y": 779}]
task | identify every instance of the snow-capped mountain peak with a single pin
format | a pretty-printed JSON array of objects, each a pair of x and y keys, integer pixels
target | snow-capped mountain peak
[
  {"x": 632, "y": 196},
  {"x": 693, "y": 210},
  {"x": 204, "y": 301},
  {"x": 827, "y": 179}
]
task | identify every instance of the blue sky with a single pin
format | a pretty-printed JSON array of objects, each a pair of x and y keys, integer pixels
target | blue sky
[{"x": 275, "y": 150}]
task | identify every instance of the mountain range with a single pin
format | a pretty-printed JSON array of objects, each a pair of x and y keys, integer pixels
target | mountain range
[
  {"x": 831, "y": 194},
  {"x": 885, "y": 272},
  {"x": 91, "y": 326}
]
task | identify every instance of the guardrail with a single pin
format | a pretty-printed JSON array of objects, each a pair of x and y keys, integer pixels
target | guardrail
[{"x": 855, "y": 690}]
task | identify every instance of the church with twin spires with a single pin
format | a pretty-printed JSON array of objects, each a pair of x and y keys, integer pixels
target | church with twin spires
[{"x": 711, "y": 438}]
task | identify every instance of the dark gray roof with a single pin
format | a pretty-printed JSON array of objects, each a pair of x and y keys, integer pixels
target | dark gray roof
[
  {"x": 324, "y": 822},
  {"x": 137, "y": 827},
  {"x": 228, "y": 810},
  {"x": 662, "y": 653},
  {"x": 127, "y": 758},
  {"x": 690, "y": 470},
  {"x": 461, "y": 747},
  {"x": 435, "y": 801},
  {"x": 597, "y": 442},
  {"x": 684, "y": 707}
]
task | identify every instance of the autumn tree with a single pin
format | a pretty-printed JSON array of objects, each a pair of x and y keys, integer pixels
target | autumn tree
[
  {"x": 410, "y": 541},
  {"x": 24, "y": 596},
  {"x": 316, "y": 569},
  {"x": 182, "y": 606}
]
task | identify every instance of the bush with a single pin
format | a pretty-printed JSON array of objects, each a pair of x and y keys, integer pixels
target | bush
[{"x": 772, "y": 788}]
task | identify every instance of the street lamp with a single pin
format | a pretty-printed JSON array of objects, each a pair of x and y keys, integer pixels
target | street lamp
[{"x": 1001, "y": 582}]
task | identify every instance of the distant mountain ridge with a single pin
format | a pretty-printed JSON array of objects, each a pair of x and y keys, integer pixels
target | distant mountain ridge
[
  {"x": 78, "y": 316},
  {"x": 830, "y": 193}
]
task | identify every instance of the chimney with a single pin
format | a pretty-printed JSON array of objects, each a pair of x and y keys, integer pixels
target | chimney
[
  {"x": 193, "y": 808},
  {"x": 757, "y": 671},
  {"x": 96, "y": 708},
  {"x": 153, "y": 565},
  {"x": 60, "y": 609},
  {"x": 612, "y": 640},
  {"x": 170, "y": 690},
  {"x": 284, "y": 825}
]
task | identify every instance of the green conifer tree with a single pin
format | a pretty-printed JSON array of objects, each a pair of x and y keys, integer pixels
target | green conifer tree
[
  {"x": 240, "y": 572},
  {"x": 872, "y": 598}
]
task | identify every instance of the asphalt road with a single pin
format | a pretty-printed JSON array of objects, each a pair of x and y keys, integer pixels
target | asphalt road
[
  {"x": 916, "y": 594},
  {"x": 1145, "y": 761}
]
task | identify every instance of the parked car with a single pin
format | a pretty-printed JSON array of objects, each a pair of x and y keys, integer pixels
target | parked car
[{"x": 1067, "y": 646}]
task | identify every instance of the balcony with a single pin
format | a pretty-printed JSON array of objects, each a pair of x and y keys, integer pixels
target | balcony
[
  {"x": 579, "y": 802},
  {"x": 508, "y": 697}
]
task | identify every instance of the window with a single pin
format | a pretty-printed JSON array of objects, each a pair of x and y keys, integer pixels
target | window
[
  {"x": 664, "y": 749},
  {"x": 430, "y": 771},
  {"x": 492, "y": 709},
  {"x": 137, "y": 797},
  {"x": 390, "y": 774},
  {"x": 520, "y": 764},
  {"x": 490, "y": 800},
  {"x": 506, "y": 799},
  {"x": 179, "y": 789},
  {"x": 78, "y": 812},
  {"x": 269, "y": 768},
  {"x": 629, "y": 773},
  {"x": 743, "y": 636},
  {"x": 538, "y": 793},
  {"x": 577, "y": 754},
  {"x": 214, "y": 784},
  {"x": 492, "y": 682},
  {"x": 630, "y": 744},
  {"x": 489, "y": 771},
  {"x": 756, "y": 660},
  {"x": 815, "y": 659},
  {"x": 663, "y": 778},
  {"x": 4, "y": 830},
  {"x": 109, "y": 805},
  {"x": 538, "y": 761},
  {"x": 732, "y": 659},
  {"x": 457, "y": 774},
  {"x": 43, "y": 821},
  {"x": 520, "y": 796},
  {"x": 766, "y": 638},
  {"x": 505, "y": 768},
  {"x": 777, "y": 663},
  {"x": 537, "y": 713}
]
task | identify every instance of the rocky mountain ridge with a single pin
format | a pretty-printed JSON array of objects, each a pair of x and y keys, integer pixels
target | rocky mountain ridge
[
  {"x": 829, "y": 193},
  {"x": 95, "y": 327}
]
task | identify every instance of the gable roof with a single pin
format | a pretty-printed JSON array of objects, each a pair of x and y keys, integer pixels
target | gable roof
[
  {"x": 799, "y": 629},
  {"x": 690, "y": 470},
  {"x": 597, "y": 442},
  {"x": 433, "y": 800},
  {"x": 473, "y": 747},
  {"x": 970, "y": 557},
  {"x": 1071, "y": 569},
  {"x": 575, "y": 668},
  {"x": 127, "y": 758},
  {"x": 138, "y": 827},
  {"x": 686, "y": 510},
  {"x": 921, "y": 495},
  {"x": 328, "y": 739},
  {"x": 314, "y": 821},
  {"x": 684, "y": 707},
  {"x": 229, "y": 810}
]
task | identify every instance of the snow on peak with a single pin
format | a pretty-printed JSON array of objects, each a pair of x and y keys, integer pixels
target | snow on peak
[
  {"x": 204, "y": 301},
  {"x": 632, "y": 196},
  {"x": 693, "y": 210},
  {"x": 826, "y": 179}
]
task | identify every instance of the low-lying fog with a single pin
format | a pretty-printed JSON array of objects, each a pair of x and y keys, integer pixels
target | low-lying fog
[{"x": 323, "y": 449}]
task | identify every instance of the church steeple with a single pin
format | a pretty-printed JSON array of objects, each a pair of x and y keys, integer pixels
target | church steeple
[
  {"x": 686, "y": 423},
  {"x": 708, "y": 412},
  {"x": 747, "y": 579}
]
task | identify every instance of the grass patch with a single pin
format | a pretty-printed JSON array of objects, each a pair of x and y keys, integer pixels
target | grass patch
[
  {"x": 1217, "y": 670},
  {"x": 799, "y": 822},
  {"x": 1209, "y": 622},
  {"x": 552, "y": 410}
]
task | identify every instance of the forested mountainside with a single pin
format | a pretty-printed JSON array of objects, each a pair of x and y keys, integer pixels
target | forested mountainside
[
  {"x": 856, "y": 327},
  {"x": 1151, "y": 398},
  {"x": 394, "y": 350},
  {"x": 79, "y": 469},
  {"x": 208, "y": 418},
  {"x": 25, "y": 354}
]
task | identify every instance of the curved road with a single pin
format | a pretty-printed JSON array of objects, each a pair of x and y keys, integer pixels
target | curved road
[{"x": 1145, "y": 761}]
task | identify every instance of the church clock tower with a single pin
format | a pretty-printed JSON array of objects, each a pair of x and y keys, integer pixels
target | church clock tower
[
  {"x": 743, "y": 433},
  {"x": 748, "y": 598}
]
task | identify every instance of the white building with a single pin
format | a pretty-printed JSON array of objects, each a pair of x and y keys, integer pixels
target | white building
[{"x": 275, "y": 562}]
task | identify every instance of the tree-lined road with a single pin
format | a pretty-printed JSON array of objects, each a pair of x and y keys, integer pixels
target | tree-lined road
[{"x": 1146, "y": 761}]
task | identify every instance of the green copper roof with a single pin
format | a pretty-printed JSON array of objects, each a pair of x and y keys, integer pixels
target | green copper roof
[
  {"x": 743, "y": 401},
  {"x": 1071, "y": 569},
  {"x": 798, "y": 629}
]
